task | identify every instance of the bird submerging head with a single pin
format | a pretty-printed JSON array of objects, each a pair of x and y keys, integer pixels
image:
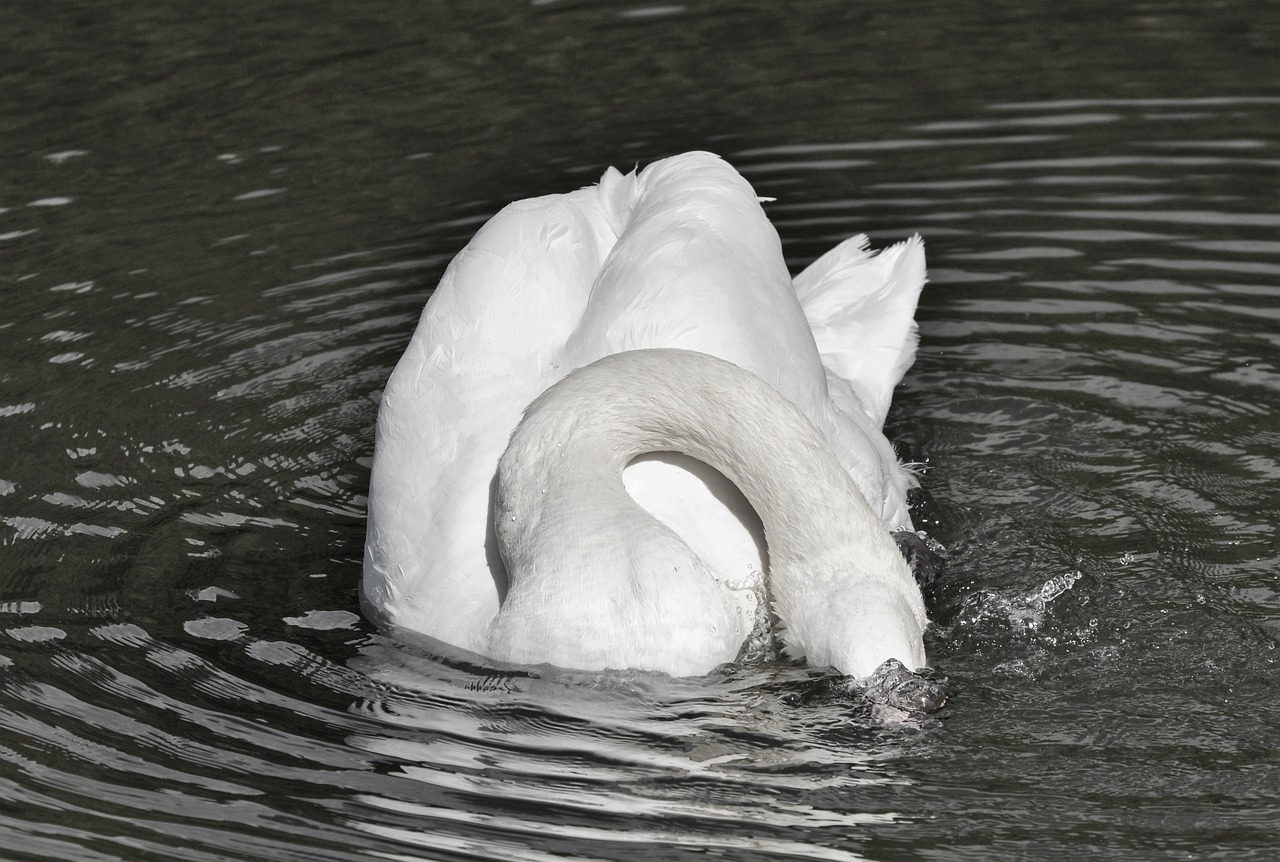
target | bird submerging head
[{"x": 622, "y": 436}]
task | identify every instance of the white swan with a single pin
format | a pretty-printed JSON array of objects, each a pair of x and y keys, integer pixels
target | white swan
[{"x": 662, "y": 572}]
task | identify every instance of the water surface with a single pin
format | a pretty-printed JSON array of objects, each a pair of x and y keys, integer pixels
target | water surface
[{"x": 218, "y": 227}]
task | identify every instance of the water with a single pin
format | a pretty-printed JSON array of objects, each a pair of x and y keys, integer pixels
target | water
[{"x": 219, "y": 227}]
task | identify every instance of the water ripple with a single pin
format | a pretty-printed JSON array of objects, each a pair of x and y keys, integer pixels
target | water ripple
[{"x": 192, "y": 357}]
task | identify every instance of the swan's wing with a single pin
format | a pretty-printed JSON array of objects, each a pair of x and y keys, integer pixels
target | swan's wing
[
  {"x": 861, "y": 308},
  {"x": 487, "y": 343}
]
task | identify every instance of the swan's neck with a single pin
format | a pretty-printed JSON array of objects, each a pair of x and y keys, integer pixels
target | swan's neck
[{"x": 840, "y": 588}]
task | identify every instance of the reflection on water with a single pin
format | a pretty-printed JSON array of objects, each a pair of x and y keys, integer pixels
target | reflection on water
[
  {"x": 622, "y": 760},
  {"x": 217, "y": 230}
]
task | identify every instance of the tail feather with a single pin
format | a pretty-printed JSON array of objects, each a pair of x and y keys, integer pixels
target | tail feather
[{"x": 861, "y": 308}]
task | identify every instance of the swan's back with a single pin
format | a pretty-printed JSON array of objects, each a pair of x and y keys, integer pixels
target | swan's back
[
  {"x": 677, "y": 255},
  {"x": 699, "y": 267}
]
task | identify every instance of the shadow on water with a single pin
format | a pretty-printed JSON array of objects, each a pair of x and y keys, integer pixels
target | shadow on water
[{"x": 218, "y": 227}]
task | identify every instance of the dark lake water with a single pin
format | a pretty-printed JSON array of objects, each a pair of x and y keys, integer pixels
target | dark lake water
[{"x": 218, "y": 226}]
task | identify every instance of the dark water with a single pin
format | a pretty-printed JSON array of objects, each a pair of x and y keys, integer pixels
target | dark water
[{"x": 217, "y": 229}]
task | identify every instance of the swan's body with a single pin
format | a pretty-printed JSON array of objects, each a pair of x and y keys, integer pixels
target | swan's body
[{"x": 666, "y": 574}]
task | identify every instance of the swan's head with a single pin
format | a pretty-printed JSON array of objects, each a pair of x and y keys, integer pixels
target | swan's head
[{"x": 855, "y": 620}]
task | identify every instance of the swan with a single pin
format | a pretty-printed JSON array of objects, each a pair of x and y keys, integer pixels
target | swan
[{"x": 622, "y": 436}]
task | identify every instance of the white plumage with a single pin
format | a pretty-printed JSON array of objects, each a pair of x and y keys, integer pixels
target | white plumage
[{"x": 679, "y": 255}]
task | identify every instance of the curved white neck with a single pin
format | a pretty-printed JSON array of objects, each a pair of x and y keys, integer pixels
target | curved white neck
[{"x": 840, "y": 588}]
